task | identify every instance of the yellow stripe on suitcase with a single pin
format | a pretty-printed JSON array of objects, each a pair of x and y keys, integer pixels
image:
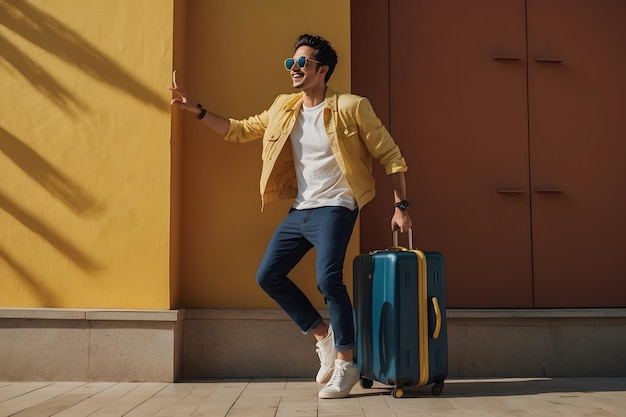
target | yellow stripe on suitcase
[{"x": 422, "y": 316}]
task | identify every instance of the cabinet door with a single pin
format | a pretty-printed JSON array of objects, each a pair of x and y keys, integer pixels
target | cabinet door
[
  {"x": 458, "y": 110},
  {"x": 577, "y": 119}
]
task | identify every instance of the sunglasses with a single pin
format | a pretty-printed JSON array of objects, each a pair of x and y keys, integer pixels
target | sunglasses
[{"x": 301, "y": 61}]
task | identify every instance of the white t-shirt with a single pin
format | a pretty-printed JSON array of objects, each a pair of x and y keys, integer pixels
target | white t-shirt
[{"x": 320, "y": 180}]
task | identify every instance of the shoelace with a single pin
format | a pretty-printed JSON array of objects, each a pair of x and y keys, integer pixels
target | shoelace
[{"x": 338, "y": 373}]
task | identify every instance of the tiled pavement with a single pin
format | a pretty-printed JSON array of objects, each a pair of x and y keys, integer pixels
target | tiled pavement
[{"x": 542, "y": 397}]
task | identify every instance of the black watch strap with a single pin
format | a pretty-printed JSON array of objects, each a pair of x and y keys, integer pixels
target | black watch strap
[
  {"x": 402, "y": 204},
  {"x": 202, "y": 112}
]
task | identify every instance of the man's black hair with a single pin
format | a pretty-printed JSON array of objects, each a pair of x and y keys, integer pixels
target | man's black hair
[{"x": 323, "y": 51}]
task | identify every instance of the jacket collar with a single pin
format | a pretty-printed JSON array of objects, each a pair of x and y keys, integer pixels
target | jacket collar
[
  {"x": 331, "y": 98},
  {"x": 295, "y": 101}
]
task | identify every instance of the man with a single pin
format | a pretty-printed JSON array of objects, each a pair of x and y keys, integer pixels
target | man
[{"x": 317, "y": 148}]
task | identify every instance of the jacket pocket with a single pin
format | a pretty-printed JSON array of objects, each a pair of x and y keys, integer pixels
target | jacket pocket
[
  {"x": 347, "y": 132},
  {"x": 270, "y": 141}
]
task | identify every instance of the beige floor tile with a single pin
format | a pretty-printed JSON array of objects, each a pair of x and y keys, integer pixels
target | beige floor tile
[
  {"x": 412, "y": 413},
  {"x": 345, "y": 407},
  {"x": 543, "y": 397},
  {"x": 99, "y": 398},
  {"x": 8, "y": 390},
  {"x": 220, "y": 401},
  {"x": 52, "y": 406},
  {"x": 36, "y": 397},
  {"x": 173, "y": 400},
  {"x": 297, "y": 409},
  {"x": 126, "y": 403}
]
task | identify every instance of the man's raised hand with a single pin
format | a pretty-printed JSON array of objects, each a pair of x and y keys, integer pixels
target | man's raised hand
[{"x": 183, "y": 100}]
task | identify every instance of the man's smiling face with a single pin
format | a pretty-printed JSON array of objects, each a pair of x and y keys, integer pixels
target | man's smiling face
[{"x": 312, "y": 72}]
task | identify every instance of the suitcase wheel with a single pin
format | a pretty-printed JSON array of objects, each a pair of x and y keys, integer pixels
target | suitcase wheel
[
  {"x": 366, "y": 383},
  {"x": 397, "y": 392},
  {"x": 437, "y": 388}
]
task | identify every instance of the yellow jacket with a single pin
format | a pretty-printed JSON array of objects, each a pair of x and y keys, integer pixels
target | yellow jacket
[{"x": 355, "y": 134}]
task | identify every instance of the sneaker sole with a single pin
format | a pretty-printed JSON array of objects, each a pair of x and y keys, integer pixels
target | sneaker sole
[{"x": 332, "y": 395}]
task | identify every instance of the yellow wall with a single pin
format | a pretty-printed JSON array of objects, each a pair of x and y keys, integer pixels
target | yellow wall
[
  {"x": 85, "y": 153},
  {"x": 91, "y": 214},
  {"x": 235, "y": 67}
]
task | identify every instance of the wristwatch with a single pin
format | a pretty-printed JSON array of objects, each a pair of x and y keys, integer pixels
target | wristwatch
[{"x": 402, "y": 204}]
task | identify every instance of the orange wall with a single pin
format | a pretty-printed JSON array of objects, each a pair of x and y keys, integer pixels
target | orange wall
[
  {"x": 234, "y": 67},
  {"x": 179, "y": 58}
]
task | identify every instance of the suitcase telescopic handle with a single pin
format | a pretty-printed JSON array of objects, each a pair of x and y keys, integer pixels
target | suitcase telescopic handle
[
  {"x": 395, "y": 239},
  {"x": 437, "y": 318}
]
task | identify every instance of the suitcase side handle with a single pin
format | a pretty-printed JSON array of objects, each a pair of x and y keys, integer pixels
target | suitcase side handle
[
  {"x": 437, "y": 318},
  {"x": 395, "y": 239}
]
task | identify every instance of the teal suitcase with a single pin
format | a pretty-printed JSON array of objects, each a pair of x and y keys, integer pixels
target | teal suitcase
[{"x": 400, "y": 318}]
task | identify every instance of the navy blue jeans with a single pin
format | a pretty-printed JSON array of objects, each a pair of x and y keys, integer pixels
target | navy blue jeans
[{"x": 328, "y": 229}]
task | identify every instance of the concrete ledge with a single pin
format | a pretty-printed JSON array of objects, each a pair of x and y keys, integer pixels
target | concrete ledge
[
  {"x": 537, "y": 343},
  {"x": 482, "y": 343},
  {"x": 242, "y": 314},
  {"x": 90, "y": 314},
  {"x": 90, "y": 345},
  {"x": 535, "y": 313},
  {"x": 165, "y": 346},
  {"x": 246, "y": 343}
]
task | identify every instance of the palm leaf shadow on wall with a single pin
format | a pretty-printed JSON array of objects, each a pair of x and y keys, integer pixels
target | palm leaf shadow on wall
[
  {"x": 52, "y": 179},
  {"x": 37, "y": 286},
  {"x": 61, "y": 188},
  {"x": 60, "y": 243},
  {"x": 43, "y": 30}
]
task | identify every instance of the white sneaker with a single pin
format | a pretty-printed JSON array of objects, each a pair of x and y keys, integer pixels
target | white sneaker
[
  {"x": 327, "y": 353},
  {"x": 345, "y": 376}
]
